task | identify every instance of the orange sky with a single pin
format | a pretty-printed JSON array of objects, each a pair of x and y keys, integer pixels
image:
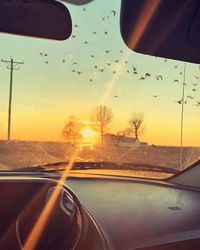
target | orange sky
[{"x": 44, "y": 95}]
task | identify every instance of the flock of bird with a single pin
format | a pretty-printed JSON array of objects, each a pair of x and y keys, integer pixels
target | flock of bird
[{"x": 128, "y": 69}]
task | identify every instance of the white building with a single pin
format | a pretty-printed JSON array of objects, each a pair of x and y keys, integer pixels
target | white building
[{"x": 123, "y": 141}]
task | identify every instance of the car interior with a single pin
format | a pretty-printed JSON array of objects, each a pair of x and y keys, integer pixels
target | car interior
[{"x": 95, "y": 197}]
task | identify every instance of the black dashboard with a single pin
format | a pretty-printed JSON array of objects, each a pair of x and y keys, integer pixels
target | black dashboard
[
  {"x": 137, "y": 214},
  {"x": 99, "y": 213}
]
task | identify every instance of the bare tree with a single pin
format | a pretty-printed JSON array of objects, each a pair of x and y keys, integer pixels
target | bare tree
[
  {"x": 103, "y": 116},
  {"x": 71, "y": 131},
  {"x": 137, "y": 124}
]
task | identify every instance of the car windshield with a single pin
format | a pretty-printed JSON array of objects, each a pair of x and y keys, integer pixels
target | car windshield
[{"x": 93, "y": 95}]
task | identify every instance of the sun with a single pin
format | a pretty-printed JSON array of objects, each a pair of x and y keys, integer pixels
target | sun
[{"x": 88, "y": 134}]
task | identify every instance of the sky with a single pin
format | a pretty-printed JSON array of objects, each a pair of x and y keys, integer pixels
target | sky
[{"x": 79, "y": 76}]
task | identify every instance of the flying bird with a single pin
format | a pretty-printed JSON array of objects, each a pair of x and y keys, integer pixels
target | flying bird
[
  {"x": 104, "y": 18},
  {"x": 180, "y": 101},
  {"x": 198, "y": 104},
  {"x": 73, "y": 36},
  {"x": 197, "y": 77},
  {"x": 175, "y": 66},
  {"x": 147, "y": 75},
  {"x": 113, "y": 12},
  {"x": 134, "y": 68},
  {"x": 159, "y": 77},
  {"x": 107, "y": 51},
  {"x": 63, "y": 60},
  {"x": 190, "y": 97},
  {"x": 175, "y": 80},
  {"x": 76, "y": 26},
  {"x": 194, "y": 84},
  {"x": 116, "y": 96},
  {"x": 74, "y": 63},
  {"x": 142, "y": 78},
  {"x": 154, "y": 96}
]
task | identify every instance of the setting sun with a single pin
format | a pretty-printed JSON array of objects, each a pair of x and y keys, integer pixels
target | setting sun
[
  {"x": 89, "y": 138},
  {"x": 88, "y": 134}
]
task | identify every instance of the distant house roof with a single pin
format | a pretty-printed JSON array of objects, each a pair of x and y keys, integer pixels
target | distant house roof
[
  {"x": 128, "y": 139},
  {"x": 119, "y": 138}
]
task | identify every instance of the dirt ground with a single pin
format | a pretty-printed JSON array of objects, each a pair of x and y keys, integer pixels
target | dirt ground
[{"x": 19, "y": 154}]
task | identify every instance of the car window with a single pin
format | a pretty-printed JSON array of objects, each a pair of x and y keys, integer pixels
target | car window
[{"x": 92, "y": 94}]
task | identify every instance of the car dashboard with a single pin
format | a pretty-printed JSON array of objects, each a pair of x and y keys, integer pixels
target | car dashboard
[{"x": 99, "y": 213}]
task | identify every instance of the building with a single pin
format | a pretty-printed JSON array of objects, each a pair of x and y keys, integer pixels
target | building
[{"x": 123, "y": 141}]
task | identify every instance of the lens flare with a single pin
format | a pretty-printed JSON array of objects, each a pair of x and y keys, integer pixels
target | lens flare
[
  {"x": 142, "y": 23},
  {"x": 145, "y": 17},
  {"x": 40, "y": 225},
  {"x": 88, "y": 133}
]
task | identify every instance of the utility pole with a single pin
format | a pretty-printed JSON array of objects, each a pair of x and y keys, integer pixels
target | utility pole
[
  {"x": 11, "y": 65},
  {"x": 182, "y": 116}
]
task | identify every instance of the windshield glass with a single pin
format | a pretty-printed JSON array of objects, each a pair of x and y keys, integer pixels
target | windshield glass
[{"x": 91, "y": 93}]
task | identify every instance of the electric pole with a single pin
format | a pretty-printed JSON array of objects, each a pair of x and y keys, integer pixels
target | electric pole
[
  {"x": 11, "y": 65},
  {"x": 182, "y": 116}
]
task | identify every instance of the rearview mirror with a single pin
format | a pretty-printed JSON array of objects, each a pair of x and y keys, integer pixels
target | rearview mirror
[{"x": 43, "y": 18}]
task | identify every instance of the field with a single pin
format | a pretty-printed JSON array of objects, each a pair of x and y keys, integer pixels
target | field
[{"x": 19, "y": 154}]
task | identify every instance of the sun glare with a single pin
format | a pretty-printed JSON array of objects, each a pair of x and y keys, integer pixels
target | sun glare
[{"x": 88, "y": 134}]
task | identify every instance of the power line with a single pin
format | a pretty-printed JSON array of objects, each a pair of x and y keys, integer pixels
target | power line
[{"x": 11, "y": 65}]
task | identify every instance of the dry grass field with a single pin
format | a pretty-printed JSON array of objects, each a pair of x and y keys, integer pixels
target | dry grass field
[{"x": 20, "y": 154}]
